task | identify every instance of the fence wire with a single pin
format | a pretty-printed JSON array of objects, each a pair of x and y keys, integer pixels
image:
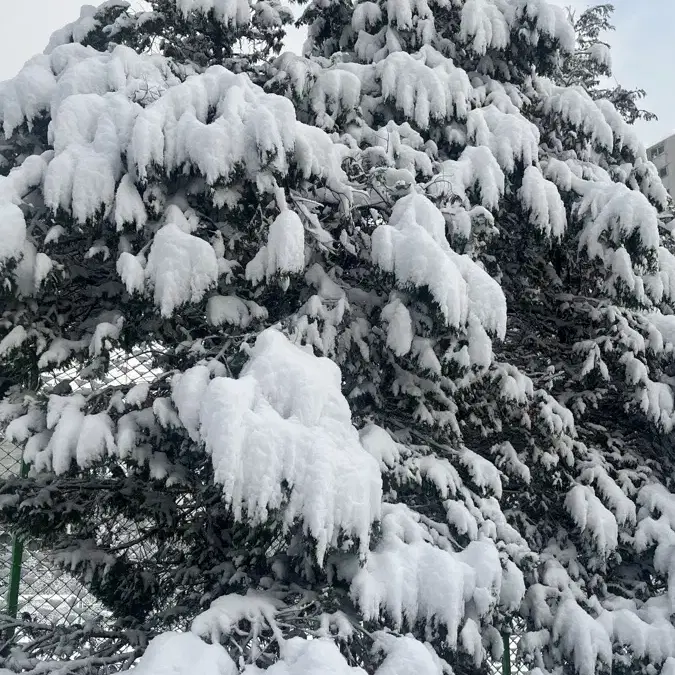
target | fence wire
[{"x": 45, "y": 592}]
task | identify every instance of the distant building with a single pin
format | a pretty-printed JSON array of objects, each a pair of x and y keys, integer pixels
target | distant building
[{"x": 663, "y": 156}]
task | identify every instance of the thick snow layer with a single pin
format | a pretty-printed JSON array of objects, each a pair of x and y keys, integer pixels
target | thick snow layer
[
  {"x": 619, "y": 213},
  {"x": 484, "y": 26},
  {"x": 251, "y": 131},
  {"x": 226, "y": 612},
  {"x": 410, "y": 580},
  {"x": 510, "y": 137},
  {"x": 181, "y": 268},
  {"x": 335, "y": 92},
  {"x": 589, "y": 513},
  {"x": 285, "y": 422},
  {"x": 475, "y": 168},
  {"x": 405, "y": 655},
  {"x": 75, "y": 31},
  {"x": 12, "y": 232},
  {"x": 284, "y": 252},
  {"x": 613, "y": 215},
  {"x": 302, "y": 657},
  {"x": 582, "y": 638},
  {"x": 118, "y": 117},
  {"x": 541, "y": 198},
  {"x": 574, "y": 106},
  {"x": 234, "y": 13},
  {"x": 129, "y": 207},
  {"x": 13, "y": 340},
  {"x": 651, "y": 637},
  {"x": 229, "y": 309},
  {"x": 380, "y": 445},
  {"x": 425, "y": 88},
  {"x": 399, "y": 327},
  {"x": 550, "y": 19},
  {"x": 487, "y": 24},
  {"x": 366, "y": 15},
  {"x": 182, "y": 653},
  {"x": 621, "y": 506},
  {"x": 625, "y": 135},
  {"x": 131, "y": 271},
  {"x": 413, "y": 246},
  {"x": 27, "y": 95},
  {"x": 22, "y": 179}
]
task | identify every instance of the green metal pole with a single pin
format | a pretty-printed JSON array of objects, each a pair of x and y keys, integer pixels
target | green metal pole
[
  {"x": 15, "y": 570},
  {"x": 506, "y": 655},
  {"x": 15, "y": 577}
]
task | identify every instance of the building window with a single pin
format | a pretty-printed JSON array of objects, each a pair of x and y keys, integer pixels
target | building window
[
  {"x": 658, "y": 149},
  {"x": 663, "y": 171}
]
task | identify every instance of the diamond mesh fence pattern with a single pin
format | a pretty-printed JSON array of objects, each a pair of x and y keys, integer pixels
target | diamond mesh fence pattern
[
  {"x": 46, "y": 592},
  {"x": 515, "y": 665}
]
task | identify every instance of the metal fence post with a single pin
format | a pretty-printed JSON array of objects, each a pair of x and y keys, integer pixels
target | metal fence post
[
  {"x": 15, "y": 567},
  {"x": 506, "y": 655},
  {"x": 14, "y": 577}
]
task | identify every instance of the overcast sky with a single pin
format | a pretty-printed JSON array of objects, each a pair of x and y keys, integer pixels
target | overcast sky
[{"x": 643, "y": 47}]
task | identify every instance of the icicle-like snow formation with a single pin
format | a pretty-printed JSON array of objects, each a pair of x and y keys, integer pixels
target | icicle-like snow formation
[
  {"x": 409, "y": 579},
  {"x": 181, "y": 268},
  {"x": 285, "y": 422},
  {"x": 117, "y": 117},
  {"x": 413, "y": 246}
]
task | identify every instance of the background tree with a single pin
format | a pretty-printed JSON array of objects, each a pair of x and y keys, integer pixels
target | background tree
[{"x": 590, "y": 66}]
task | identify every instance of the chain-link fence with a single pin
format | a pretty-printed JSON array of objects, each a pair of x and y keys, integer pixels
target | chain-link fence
[
  {"x": 32, "y": 586},
  {"x": 510, "y": 663}
]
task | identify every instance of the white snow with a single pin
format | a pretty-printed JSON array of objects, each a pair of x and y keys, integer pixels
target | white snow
[
  {"x": 484, "y": 26},
  {"x": 411, "y": 580},
  {"x": 582, "y": 638},
  {"x": 13, "y": 340},
  {"x": 541, "y": 198},
  {"x": 187, "y": 390},
  {"x": 181, "y": 268},
  {"x": 574, "y": 106},
  {"x": 182, "y": 653},
  {"x": 399, "y": 327},
  {"x": 405, "y": 655},
  {"x": 95, "y": 439},
  {"x": 285, "y": 421},
  {"x": 285, "y": 249},
  {"x": 380, "y": 445},
  {"x": 589, "y": 513},
  {"x": 131, "y": 271},
  {"x": 510, "y": 137},
  {"x": 12, "y": 232},
  {"x": 477, "y": 167},
  {"x": 425, "y": 88},
  {"x": 413, "y": 246},
  {"x": 233, "y": 13},
  {"x": 137, "y": 395},
  {"x": 227, "y": 611},
  {"x": 301, "y": 657},
  {"x": 230, "y": 309},
  {"x": 129, "y": 207}
]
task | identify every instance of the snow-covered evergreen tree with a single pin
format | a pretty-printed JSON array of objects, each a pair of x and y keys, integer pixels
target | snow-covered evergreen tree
[{"x": 409, "y": 302}]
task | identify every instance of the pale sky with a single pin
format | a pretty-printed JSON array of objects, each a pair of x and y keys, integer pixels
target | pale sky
[{"x": 643, "y": 47}]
